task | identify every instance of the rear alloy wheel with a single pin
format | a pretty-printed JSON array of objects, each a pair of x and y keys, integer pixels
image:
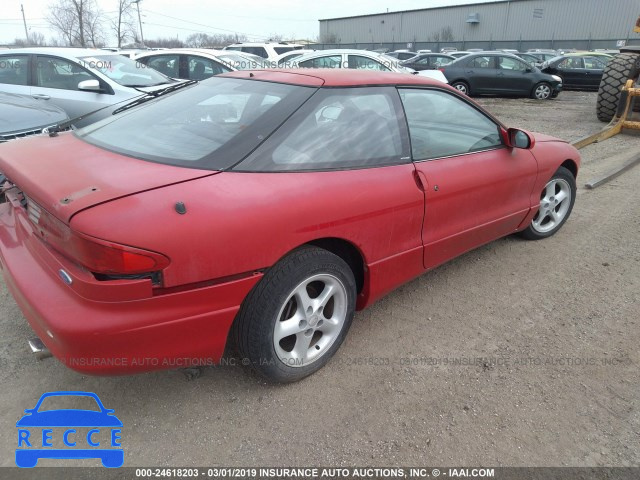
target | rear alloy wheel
[
  {"x": 542, "y": 91},
  {"x": 556, "y": 202},
  {"x": 462, "y": 87},
  {"x": 297, "y": 316}
]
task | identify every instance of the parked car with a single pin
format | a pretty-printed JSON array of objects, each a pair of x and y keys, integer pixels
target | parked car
[
  {"x": 530, "y": 59},
  {"x": 265, "y": 50},
  {"x": 494, "y": 73},
  {"x": 77, "y": 80},
  {"x": 22, "y": 116},
  {"x": 358, "y": 60},
  {"x": 424, "y": 50},
  {"x": 459, "y": 54},
  {"x": 428, "y": 61},
  {"x": 543, "y": 56},
  {"x": 402, "y": 54},
  {"x": 284, "y": 60},
  {"x": 251, "y": 207},
  {"x": 187, "y": 63},
  {"x": 579, "y": 71}
]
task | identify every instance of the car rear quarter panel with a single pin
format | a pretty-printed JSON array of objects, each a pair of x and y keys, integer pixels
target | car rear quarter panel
[{"x": 239, "y": 223}]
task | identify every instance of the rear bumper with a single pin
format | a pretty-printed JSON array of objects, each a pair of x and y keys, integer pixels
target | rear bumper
[{"x": 94, "y": 333}]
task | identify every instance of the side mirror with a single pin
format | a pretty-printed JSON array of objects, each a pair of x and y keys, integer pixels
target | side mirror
[
  {"x": 518, "y": 139},
  {"x": 90, "y": 86},
  {"x": 529, "y": 70}
]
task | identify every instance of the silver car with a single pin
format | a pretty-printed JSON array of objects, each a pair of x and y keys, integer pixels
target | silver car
[{"x": 78, "y": 80}]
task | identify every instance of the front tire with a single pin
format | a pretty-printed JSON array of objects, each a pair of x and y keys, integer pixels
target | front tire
[
  {"x": 542, "y": 91},
  {"x": 297, "y": 316},
  {"x": 556, "y": 203}
]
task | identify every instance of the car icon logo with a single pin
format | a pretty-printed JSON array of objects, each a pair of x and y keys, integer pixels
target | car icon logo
[{"x": 69, "y": 433}]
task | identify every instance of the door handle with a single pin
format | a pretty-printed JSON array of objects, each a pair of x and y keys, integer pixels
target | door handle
[{"x": 40, "y": 96}]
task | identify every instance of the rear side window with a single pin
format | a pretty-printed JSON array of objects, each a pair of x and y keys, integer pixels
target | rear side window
[
  {"x": 333, "y": 61},
  {"x": 358, "y": 62},
  {"x": 443, "y": 125},
  {"x": 337, "y": 129},
  {"x": 13, "y": 69},
  {"x": 260, "y": 51},
  {"x": 481, "y": 62},
  {"x": 281, "y": 50}
]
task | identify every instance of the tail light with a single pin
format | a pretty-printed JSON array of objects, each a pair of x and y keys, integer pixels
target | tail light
[
  {"x": 98, "y": 256},
  {"x": 441, "y": 69}
]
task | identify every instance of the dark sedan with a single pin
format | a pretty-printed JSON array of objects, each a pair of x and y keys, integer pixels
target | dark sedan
[
  {"x": 22, "y": 116},
  {"x": 428, "y": 61},
  {"x": 578, "y": 71},
  {"x": 500, "y": 74}
]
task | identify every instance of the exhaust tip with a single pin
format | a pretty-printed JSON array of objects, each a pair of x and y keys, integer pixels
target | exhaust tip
[{"x": 39, "y": 349}]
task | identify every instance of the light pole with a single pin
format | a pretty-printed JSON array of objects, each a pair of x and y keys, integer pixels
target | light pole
[{"x": 137, "y": 2}]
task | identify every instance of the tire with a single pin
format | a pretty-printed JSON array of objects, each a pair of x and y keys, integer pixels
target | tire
[
  {"x": 462, "y": 87},
  {"x": 291, "y": 291},
  {"x": 621, "y": 68},
  {"x": 542, "y": 91},
  {"x": 562, "y": 181}
]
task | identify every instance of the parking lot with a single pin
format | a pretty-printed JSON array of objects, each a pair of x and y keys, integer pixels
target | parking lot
[{"x": 517, "y": 353}]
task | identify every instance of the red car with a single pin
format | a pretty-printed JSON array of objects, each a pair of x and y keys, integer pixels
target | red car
[{"x": 260, "y": 207}]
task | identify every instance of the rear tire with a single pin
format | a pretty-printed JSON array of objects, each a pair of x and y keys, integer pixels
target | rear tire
[
  {"x": 621, "y": 68},
  {"x": 462, "y": 87},
  {"x": 297, "y": 316},
  {"x": 556, "y": 203}
]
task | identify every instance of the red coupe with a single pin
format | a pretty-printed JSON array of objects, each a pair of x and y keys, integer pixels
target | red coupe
[{"x": 261, "y": 208}]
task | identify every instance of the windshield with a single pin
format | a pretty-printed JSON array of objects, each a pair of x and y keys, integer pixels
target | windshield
[
  {"x": 125, "y": 71},
  {"x": 242, "y": 62},
  {"x": 212, "y": 125}
]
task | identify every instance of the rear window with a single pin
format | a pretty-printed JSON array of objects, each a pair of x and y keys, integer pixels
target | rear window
[
  {"x": 281, "y": 50},
  {"x": 212, "y": 125}
]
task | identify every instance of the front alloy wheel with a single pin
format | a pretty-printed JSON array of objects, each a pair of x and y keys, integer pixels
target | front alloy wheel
[
  {"x": 542, "y": 91},
  {"x": 297, "y": 316},
  {"x": 556, "y": 202}
]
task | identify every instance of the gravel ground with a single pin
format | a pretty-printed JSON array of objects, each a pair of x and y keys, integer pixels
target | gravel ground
[{"x": 555, "y": 323}]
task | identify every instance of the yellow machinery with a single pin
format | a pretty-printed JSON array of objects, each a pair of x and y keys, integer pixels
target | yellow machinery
[{"x": 622, "y": 119}]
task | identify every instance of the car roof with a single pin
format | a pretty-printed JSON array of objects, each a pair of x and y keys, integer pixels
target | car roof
[
  {"x": 64, "y": 52},
  {"x": 334, "y": 77}
]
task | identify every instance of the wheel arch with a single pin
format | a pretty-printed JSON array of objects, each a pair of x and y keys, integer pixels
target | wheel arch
[
  {"x": 348, "y": 252},
  {"x": 572, "y": 166}
]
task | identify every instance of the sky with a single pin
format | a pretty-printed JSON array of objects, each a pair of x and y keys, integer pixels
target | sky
[{"x": 293, "y": 19}]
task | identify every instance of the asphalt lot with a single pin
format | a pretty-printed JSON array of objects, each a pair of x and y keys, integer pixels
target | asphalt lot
[{"x": 555, "y": 324}]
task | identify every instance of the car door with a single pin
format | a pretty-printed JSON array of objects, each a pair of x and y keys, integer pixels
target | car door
[
  {"x": 56, "y": 80},
  {"x": 14, "y": 74},
  {"x": 572, "y": 71},
  {"x": 593, "y": 67},
  {"x": 476, "y": 188},
  {"x": 480, "y": 72},
  {"x": 513, "y": 76}
]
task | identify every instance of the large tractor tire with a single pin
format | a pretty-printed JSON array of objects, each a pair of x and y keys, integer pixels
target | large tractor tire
[{"x": 621, "y": 68}]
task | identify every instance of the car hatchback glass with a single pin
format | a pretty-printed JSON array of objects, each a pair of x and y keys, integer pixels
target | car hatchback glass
[{"x": 212, "y": 125}]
